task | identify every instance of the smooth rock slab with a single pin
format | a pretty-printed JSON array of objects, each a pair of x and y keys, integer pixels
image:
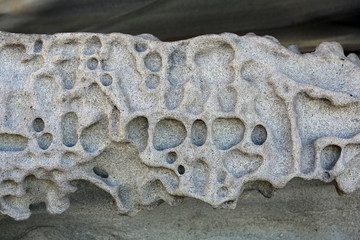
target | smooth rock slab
[{"x": 149, "y": 121}]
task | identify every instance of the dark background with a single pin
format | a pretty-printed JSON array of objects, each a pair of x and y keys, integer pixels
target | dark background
[{"x": 304, "y": 22}]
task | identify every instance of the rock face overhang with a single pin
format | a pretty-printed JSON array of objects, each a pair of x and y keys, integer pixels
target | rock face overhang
[{"x": 150, "y": 121}]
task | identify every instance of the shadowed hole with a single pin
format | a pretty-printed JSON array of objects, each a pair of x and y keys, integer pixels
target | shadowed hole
[
  {"x": 259, "y": 135},
  {"x": 100, "y": 172},
  {"x": 40, "y": 206},
  {"x": 181, "y": 169}
]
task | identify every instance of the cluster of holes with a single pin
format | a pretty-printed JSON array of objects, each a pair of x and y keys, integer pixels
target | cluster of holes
[
  {"x": 44, "y": 141},
  {"x": 153, "y": 62},
  {"x": 92, "y": 63},
  {"x": 227, "y": 132},
  {"x": 171, "y": 157}
]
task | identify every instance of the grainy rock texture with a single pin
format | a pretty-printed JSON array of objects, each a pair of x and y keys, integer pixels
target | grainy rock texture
[{"x": 150, "y": 121}]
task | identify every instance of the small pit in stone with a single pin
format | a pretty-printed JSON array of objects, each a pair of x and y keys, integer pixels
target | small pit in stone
[
  {"x": 152, "y": 81},
  {"x": 100, "y": 172},
  {"x": 37, "y": 206},
  {"x": 259, "y": 135},
  {"x": 153, "y": 61},
  {"x": 181, "y": 169},
  {"x": 45, "y": 140},
  {"x": 38, "y": 125},
  {"x": 92, "y": 63},
  {"x": 140, "y": 47},
  {"x": 171, "y": 157},
  {"x": 106, "y": 80}
]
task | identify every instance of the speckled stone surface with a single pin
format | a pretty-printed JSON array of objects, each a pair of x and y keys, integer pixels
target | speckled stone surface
[{"x": 150, "y": 121}]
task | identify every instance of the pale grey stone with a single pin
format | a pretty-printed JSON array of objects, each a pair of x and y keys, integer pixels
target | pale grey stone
[{"x": 150, "y": 121}]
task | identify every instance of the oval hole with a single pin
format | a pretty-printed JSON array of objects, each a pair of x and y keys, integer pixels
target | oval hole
[
  {"x": 259, "y": 135},
  {"x": 38, "y": 125},
  {"x": 171, "y": 157},
  {"x": 100, "y": 172},
  {"x": 45, "y": 140},
  {"x": 181, "y": 169},
  {"x": 198, "y": 133}
]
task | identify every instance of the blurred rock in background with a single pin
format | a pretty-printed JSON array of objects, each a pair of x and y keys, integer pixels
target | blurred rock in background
[{"x": 304, "y": 22}]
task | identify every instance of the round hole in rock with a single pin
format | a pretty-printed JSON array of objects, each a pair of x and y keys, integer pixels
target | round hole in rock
[
  {"x": 153, "y": 61},
  {"x": 171, "y": 157},
  {"x": 100, "y": 172},
  {"x": 106, "y": 80},
  {"x": 38, "y": 125},
  {"x": 181, "y": 169},
  {"x": 152, "y": 81},
  {"x": 45, "y": 140},
  {"x": 259, "y": 135},
  {"x": 92, "y": 63}
]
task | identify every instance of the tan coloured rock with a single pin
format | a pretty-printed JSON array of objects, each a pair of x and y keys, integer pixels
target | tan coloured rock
[{"x": 150, "y": 121}]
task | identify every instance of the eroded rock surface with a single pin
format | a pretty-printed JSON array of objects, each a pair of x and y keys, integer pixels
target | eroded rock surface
[{"x": 150, "y": 121}]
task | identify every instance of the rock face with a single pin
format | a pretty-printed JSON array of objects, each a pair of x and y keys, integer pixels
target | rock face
[{"x": 150, "y": 121}]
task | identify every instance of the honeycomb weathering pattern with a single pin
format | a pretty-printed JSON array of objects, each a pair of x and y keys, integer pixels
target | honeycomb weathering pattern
[{"x": 150, "y": 121}]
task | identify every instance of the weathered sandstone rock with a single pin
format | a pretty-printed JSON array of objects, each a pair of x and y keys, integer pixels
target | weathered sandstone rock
[{"x": 150, "y": 121}]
